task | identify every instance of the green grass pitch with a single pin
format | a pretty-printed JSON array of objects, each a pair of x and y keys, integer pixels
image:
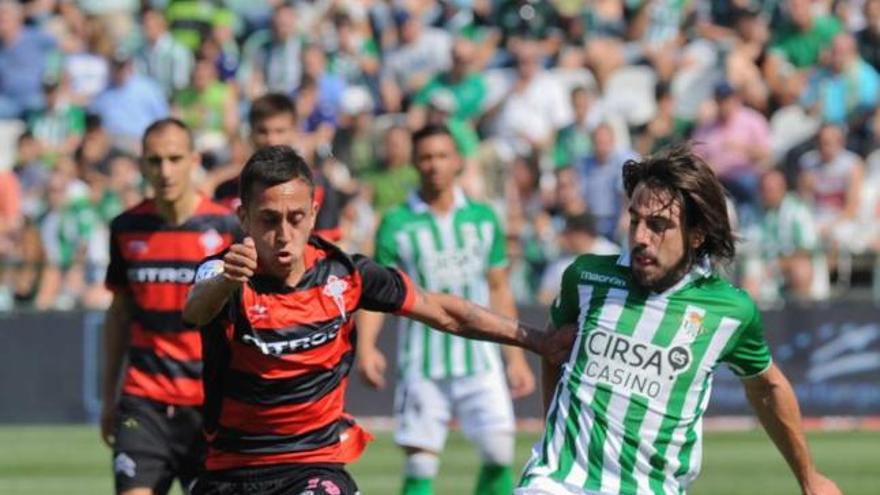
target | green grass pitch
[{"x": 48, "y": 460}]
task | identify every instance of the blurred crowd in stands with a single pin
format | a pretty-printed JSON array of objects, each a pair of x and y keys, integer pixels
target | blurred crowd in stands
[{"x": 546, "y": 99}]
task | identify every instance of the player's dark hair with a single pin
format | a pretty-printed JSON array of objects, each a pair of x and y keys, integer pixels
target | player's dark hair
[
  {"x": 691, "y": 183},
  {"x": 270, "y": 105},
  {"x": 161, "y": 125},
  {"x": 430, "y": 130},
  {"x": 271, "y": 166}
]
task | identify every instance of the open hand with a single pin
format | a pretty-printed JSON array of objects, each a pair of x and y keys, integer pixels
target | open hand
[
  {"x": 818, "y": 484},
  {"x": 108, "y": 416},
  {"x": 371, "y": 366},
  {"x": 520, "y": 378}
]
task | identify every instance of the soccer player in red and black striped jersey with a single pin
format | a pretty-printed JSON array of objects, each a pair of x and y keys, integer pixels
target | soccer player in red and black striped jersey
[
  {"x": 155, "y": 248},
  {"x": 276, "y": 313}
]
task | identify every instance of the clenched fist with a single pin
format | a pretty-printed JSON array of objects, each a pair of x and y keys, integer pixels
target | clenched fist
[{"x": 240, "y": 262}]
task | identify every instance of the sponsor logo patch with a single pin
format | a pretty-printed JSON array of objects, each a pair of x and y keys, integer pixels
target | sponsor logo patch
[{"x": 123, "y": 464}]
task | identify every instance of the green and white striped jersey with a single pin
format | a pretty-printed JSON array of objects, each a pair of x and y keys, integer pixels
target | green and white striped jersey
[
  {"x": 627, "y": 413},
  {"x": 449, "y": 254}
]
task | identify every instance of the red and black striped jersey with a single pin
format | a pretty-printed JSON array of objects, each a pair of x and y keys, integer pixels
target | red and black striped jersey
[
  {"x": 277, "y": 360},
  {"x": 156, "y": 263}
]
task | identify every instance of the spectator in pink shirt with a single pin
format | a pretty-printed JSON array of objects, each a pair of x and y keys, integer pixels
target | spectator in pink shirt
[{"x": 736, "y": 143}]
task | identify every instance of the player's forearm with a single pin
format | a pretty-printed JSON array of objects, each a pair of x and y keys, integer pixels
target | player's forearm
[
  {"x": 776, "y": 406},
  {"x": 369, "y": 324},
  {"x": 501, "y": 301},
  {"x": 469, "y": 320},
  {"x": 549, "y": 378},
  {"x": 116, "y": 339},
  {"x": 207, "y": 298}
]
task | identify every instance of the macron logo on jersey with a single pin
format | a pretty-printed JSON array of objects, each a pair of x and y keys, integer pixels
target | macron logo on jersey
[{"x": 600, "y": 278}]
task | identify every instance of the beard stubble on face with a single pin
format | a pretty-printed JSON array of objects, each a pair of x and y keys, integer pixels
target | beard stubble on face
[{"x": 666, "y": 279}]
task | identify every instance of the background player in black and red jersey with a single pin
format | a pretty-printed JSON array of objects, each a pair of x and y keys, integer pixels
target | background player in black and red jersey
[
  {"x": 277, "y": 325},
  {"x": 273, "y": 121},
  {"x": 154, "y": 427}
]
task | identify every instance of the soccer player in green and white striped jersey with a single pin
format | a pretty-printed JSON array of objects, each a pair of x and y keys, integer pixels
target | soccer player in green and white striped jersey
[
  {"x": 625, "y": 415},
  {"x": 447, "y": 243}
]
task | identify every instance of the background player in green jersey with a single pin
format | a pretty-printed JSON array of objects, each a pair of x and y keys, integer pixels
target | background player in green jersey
[
  {"x": 447, "y": 243},
  {"x": 625, "y": 414}
]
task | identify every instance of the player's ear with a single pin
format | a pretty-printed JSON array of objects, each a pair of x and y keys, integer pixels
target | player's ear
[
  {"x": 241, "y": 212},
  {"x": 697, "y": 238}
]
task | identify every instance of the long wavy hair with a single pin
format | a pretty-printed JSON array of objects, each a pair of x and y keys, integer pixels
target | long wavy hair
[{"x": 690, "y": 182}]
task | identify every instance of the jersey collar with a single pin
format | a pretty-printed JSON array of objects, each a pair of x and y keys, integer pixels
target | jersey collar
[{"x": 418, "y": 205}]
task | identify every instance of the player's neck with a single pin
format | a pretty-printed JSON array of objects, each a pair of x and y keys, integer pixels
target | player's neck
[
  {"x": 296, "y": 272},
  {"x": 177, "y": 212},
  {"x": 439, "y": 201}
]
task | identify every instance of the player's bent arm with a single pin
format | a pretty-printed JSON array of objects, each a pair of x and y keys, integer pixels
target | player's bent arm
[
  {"x": 777, "y": 408},
  {"x": 207, "y": 298},
  {"x": 454, "y": 315},
  {"x": 117, "y": 334}
]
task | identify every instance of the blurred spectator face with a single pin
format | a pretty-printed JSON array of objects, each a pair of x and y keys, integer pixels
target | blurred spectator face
[
  {"x": 801, "y": 14},
  {"x": 204, "y": 73},
  {"x": 603, "y": 141},
  {"x": 463, "y": 53},
  {"x": 124, "y": 174},
  {"x": 120, "y": 71},
  {"x": 409, "y": 27},
  {"x": 154, "y": 25},
  {"x": 168, "y": 162},
  {"x": 314, "y": 62},
  {"x": 284, "y": 22},
  {"x": 872, "y": 13},
  {"x": 275, "y": 130},
  {"x": 528, "y": 60},
  {"x": 28, "y": 149},
  {"x": 843, "y": 51},
  {"x": 525, "y": 175},
  {"x": 437, "y": 162},
  {"x": 830, "y": 142},
  {"x": 398, "y": 146},
  {"x": 56, "y": 191},
  {"x": 727, "y": 107},
  {"x": 580, "y": 102},
  {"x": 10, "y": 19},
  {"x": 568, "y": 190},
  {"x": 753, "y": 28},
  {"x": 772, "y": 189}
]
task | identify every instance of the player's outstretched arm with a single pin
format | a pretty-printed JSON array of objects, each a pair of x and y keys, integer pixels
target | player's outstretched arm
[
  {"x": 452, "y": 314},
  {"x": 776, "y": 405},
  {"x": 217, "y": 279}
]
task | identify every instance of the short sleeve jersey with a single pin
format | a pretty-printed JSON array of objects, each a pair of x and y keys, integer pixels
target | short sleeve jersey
[
  {"x": 626, "y": 417},
  {"x": 277, "y": 360},
  {"x": 156, "y": 263},
  {"x": 449, "y": 254}
]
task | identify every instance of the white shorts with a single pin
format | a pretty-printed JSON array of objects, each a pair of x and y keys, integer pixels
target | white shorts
[
  {"x": 541, "y": 485},
  {"x": 423, "y": 409}
]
